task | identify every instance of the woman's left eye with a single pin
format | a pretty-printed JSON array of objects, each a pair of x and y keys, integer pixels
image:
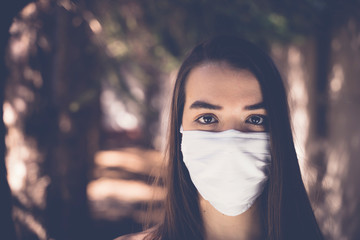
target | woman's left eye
[{"x": 256, "y": 120}]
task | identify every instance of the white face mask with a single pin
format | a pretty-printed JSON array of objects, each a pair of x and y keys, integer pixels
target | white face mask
[{"x": 229, "y": 168}]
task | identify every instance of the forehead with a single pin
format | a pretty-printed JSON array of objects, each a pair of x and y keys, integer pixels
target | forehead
[{"x": 220, "y": 83}]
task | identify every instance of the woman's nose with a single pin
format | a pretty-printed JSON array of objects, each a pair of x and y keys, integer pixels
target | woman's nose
[{"x": 235, "y": 123}]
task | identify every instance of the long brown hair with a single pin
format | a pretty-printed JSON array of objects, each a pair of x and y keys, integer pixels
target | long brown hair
[{"x": 286, "y": 208}]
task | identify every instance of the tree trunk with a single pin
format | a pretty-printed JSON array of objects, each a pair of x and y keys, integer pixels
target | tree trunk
[
  {"x": 6, "y": 222},
  {"x": 53, "y": 96}
]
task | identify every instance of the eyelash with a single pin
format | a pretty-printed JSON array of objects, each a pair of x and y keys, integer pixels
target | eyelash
[
  {"x": 262, "y": 117},
  {"x": 263, "y": 122},
  {"x": 206, "y": 115}
]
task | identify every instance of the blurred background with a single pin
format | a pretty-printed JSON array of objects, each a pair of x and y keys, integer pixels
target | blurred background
[{"x": 86, "y": 86}]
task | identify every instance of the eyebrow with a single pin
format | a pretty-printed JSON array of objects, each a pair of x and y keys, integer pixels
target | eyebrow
[
  {"x": 202, "y": 104},
  {"x": 255, "y": 106}
]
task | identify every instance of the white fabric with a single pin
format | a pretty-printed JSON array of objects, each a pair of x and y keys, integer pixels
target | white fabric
[{"x": 229, "y": 168}]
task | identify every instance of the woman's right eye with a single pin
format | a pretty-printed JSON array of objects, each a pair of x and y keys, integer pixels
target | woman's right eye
[{"x": 206, "y": 119}]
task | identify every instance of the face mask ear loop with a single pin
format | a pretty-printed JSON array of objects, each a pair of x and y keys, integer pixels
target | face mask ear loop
[{"x": 181, "y": 129}]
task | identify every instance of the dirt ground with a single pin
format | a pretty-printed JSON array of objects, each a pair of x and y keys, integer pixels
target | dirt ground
[{"x": 121, "y": 190}]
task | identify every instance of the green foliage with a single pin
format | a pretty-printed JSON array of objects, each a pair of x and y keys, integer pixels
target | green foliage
[{"x": 173, "y": 27}]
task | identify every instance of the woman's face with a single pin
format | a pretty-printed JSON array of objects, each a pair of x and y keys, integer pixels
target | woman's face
[{"x": 219, "y": 97}]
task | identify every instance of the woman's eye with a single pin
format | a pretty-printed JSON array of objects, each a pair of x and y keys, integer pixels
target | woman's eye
[
  {"x": 206, "y": 119},
  {"x": 256, "y": 120}
]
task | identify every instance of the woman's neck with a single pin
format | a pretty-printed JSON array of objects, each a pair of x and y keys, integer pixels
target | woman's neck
[{"x": 217, "y": 226}]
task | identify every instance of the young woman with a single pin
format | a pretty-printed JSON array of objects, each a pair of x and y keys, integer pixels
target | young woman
[{"x": 232, "y": 168}]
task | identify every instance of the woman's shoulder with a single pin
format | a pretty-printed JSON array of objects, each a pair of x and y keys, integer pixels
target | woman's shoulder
[
  {"x": 138, "y": 236},
  {"x": 134, "y": 236}
]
